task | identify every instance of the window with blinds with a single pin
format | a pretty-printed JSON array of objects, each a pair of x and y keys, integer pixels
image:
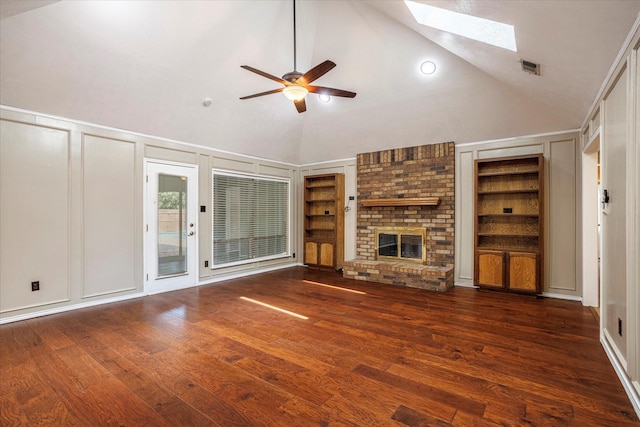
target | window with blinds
[{"x": 250, "y": 218}]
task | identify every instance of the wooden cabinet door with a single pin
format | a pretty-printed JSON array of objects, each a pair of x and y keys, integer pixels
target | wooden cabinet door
[
  {"x": 523, "y": 271},
  {"x": 326, "y": 254},
  {"x": 311, "y": 253},
  {"x": 490, "y": 269}
]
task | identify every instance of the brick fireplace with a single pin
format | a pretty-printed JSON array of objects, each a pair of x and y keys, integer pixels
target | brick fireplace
[{"x": 407, "y": 187}]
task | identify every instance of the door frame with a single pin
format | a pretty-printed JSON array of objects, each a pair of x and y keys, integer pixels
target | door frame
[
  {"x": 152, "y": 284},
  {"x": 591, "y": 225}
]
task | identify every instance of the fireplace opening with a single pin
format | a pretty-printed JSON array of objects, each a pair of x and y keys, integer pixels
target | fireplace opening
[{"x": 401, "y": 244}]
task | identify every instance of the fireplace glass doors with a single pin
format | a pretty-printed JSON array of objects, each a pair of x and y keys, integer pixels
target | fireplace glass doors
[{"x": 401, "y": 244}]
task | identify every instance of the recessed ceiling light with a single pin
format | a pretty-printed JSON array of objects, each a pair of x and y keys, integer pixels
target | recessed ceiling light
[
  {"x": 428, "y": 67},
  {"x": 324, "y": 97},
  {"x": 480, "y": 29}
]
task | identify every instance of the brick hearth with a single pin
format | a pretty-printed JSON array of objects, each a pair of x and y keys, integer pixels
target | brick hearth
[
  {"x": 413, "y": 172},
  {"x": 400, "y": 273}
]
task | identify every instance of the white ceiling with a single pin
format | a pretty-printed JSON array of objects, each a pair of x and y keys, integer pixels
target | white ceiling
[{"x": 147, "y": 66}]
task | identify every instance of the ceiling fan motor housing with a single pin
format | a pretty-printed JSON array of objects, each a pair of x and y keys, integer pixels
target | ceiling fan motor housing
[{"x": 292, "y": 76}]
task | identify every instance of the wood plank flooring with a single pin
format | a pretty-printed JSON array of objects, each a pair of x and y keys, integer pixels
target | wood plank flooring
[{"x": 380, "y": 356}]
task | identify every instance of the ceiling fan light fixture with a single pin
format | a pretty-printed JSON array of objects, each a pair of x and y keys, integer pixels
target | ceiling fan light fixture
[
  {"x": 295, "y": 92},
  {"x": 323, "y": 97}
]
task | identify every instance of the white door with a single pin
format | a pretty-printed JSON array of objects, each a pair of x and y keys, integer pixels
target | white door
[{"x": 170, "y": 226}]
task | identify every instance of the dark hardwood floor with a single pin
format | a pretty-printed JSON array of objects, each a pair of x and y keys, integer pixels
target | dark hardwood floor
[{"x": 387, "y": 356}]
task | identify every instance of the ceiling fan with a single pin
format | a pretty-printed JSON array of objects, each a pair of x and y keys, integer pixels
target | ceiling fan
[{"x": 297, "y": 85}]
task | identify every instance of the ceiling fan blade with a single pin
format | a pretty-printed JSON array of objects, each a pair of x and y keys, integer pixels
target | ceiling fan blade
[
  {"x": 301, "y": 105},
  {"x": 269, "y": 92},
  {"x": 316, "y": 72},
  {"x": 267, "y": 75},
  {"x": 331, "y": 91}
]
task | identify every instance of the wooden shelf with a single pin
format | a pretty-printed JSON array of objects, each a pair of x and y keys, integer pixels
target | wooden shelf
[
  {"x": 507, "y": 235},
  {"x": 528, "y": 190},
  {"x": 532, "y": 249},
  {"x": 532, "y": 215},
  {"x": 503, "y": 173},
  {"x": 422, "y": 201},
  {"x": 322, "y": 185}
]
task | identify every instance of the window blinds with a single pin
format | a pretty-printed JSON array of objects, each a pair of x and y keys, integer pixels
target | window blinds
[{"x": 250, "y": 218}]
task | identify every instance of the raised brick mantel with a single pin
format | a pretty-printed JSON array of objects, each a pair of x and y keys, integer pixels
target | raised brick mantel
[{"x": 412, "y": 173}]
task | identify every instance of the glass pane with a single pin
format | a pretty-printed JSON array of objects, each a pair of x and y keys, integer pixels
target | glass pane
[
  {"x": 172, "y": 225},
  {"x": 387, "y": 245},
  {"x": 411, "y": 246}
]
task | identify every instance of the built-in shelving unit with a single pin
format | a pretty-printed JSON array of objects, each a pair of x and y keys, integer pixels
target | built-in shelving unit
[
  {"x": 509, "y": 217},
  {"x": 324, "y": 221}
]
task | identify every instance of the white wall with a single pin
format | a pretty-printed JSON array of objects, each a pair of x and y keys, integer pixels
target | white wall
[
  {"x": 71, "y": 211},
  {"x": 617, "y": 111},
  {"x": 562, "y": 265},
  {"x": 614, "y": 263},
  {"x": 35, "y": 204},
  {"x": 348, "y": 167}
]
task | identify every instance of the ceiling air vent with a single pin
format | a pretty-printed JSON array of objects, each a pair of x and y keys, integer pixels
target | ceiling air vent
[{"x": 530, "y": 67}]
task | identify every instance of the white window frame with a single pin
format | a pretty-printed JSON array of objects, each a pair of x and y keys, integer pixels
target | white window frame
[{"x": 285, "y": 254}]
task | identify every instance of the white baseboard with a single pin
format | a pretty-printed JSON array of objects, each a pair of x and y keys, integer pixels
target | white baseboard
[
  {"x": 618, "y": 367},
  {"x": 465, "y": 285},
  {"x": 71, "y": 307},
  {"x": 239, "y": 274},
  {"x": 562, "y": 296}
]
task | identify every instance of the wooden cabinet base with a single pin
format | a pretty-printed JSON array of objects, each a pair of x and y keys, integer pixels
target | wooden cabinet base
[
  {"x": 320, "y": 255},
  {"x": 509, "y": 271}
]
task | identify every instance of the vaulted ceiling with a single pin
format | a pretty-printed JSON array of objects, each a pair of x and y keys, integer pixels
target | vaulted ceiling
[{"x": 147, "y": 66}]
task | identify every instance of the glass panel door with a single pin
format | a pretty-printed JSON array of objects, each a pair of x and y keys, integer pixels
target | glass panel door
[
  {"x": 171, "y": 251},
  {"x": 172, "y": 225}
]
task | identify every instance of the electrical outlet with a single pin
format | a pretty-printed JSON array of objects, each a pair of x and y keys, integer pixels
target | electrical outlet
[
  {"x": 206, "y": 263},
  {"x": 35, "y": 286},
  {"x": 294, "y": 255},
  {"x": 352, "y": 197},
  {"x": 619, "y": 326}
]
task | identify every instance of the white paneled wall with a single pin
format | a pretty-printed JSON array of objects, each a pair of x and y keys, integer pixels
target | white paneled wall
[
  {"x": 35, "y": 202},
  {"x": 109, "y": 216},
  {"x": 349, "y": 169},
  {"x": 562, "y": 267},
  {"x": 562, "y": 242},
  {"x": 614, "y": 230},
  {"x": 613, "y": 127},
  {"x": 71, "y": 212}
]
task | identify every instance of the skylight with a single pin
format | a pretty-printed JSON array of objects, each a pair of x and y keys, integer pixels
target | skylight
[{"x": 472, "y": 27}]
